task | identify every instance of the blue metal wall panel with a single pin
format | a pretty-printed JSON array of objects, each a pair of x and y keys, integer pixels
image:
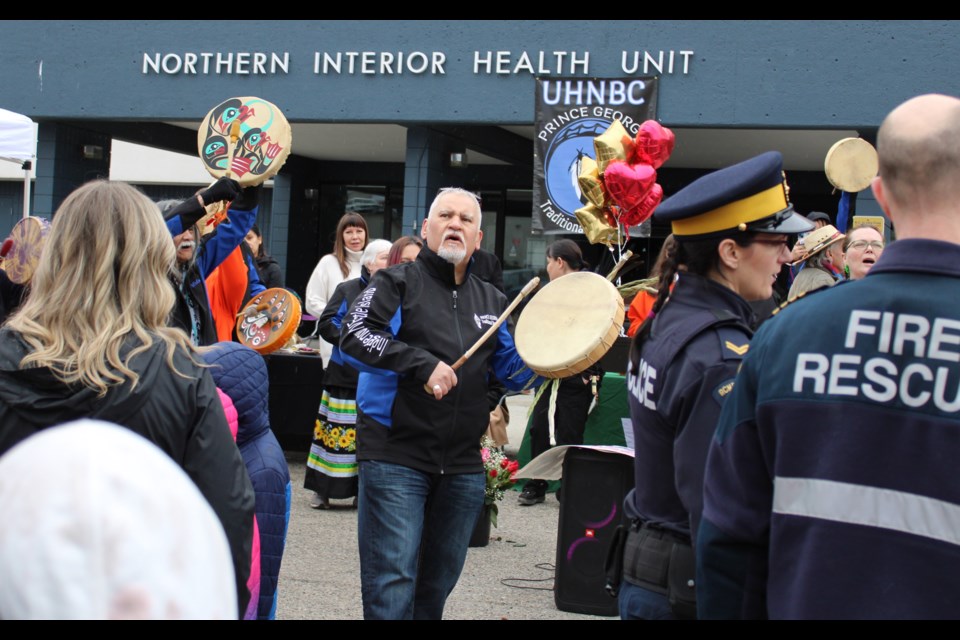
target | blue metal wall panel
[{"x": 741, "y": 73}]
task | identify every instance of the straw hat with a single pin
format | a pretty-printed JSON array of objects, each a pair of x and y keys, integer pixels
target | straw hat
[{"x": 820, "y": 239}]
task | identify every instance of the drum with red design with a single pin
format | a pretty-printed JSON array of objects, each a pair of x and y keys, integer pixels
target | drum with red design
[
  {"x": 269, "y": 320},
  {"x": 247, "y": 139},
  {"x": 20, "y": 252}
]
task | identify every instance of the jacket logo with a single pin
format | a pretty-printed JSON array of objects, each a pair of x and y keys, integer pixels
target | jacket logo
[
  {"x": 739, "y": 350},
  {"x": 371, "y": 341},
  {"x": 485, "y": 319}
]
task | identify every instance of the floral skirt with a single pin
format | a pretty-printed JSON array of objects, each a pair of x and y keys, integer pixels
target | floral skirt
[{"x": 332, "y": 464}]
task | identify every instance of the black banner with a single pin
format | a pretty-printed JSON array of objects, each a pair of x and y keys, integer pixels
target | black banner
[{"x": 570, "y": 113}]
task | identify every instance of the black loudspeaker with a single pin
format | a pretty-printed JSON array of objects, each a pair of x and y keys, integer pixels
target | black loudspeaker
[
  {"x": 591, "y": 507},
  {"x": 295, "y": 387}
]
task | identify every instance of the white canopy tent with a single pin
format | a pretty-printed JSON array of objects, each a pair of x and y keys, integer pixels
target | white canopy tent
[{"x": 18, "y": 143}]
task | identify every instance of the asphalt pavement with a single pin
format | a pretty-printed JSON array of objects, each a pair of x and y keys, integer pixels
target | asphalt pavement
[{"x": 511, "y": 578}]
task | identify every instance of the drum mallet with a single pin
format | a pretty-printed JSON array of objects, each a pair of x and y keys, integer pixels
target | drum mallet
[
  {"x": 616, "y": 269},
  {"x": 530, "y": 286}
]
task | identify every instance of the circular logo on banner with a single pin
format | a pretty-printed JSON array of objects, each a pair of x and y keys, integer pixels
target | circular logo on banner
[{"x": 561, "y": 166}]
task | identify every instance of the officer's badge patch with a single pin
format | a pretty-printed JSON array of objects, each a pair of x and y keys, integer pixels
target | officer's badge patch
[{"x": 723, "y": 390}]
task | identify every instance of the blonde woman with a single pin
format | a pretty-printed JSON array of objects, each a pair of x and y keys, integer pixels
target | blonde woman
[{"x": 91, "y": 341}]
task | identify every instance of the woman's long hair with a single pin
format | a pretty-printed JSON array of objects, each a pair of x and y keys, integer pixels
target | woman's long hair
[
  {"x": 103, "y": 278},
  {"x": 669, "y": 244},
  {"x": 349, "y": 219},
  {"x": 261, "y": 252},
  {"x": 699, "y": 257}
]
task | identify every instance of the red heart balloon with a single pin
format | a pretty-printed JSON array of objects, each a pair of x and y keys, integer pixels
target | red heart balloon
[
  {"x": 628, "y": 184},
  {"x": 654, "y": 144},
  {"x": 610, "y": 216},
  {"x": 645, "y": 209}
]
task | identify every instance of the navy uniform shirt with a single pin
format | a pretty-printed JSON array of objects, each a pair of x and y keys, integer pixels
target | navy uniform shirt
[
  {"x": 687, "y": 368},
  {"x": 833, "y": 483}
]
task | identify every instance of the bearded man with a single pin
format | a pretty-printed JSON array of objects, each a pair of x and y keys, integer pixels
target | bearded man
[{"x": 421, "y": 475}]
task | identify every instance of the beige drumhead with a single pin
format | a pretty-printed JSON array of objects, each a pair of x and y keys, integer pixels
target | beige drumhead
[
  {"x": 263, "y": 146},
  {"x": 569, "y": 325},
  {"x": 851, "y": 164}
]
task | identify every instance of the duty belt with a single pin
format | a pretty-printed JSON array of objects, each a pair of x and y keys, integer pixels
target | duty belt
[{"x": 661, "y": 561}]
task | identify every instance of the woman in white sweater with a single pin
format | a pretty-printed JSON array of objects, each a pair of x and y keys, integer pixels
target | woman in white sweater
[{"x": 334, "y": 268}]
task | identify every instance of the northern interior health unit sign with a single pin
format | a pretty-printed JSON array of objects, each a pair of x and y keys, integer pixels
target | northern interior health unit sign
[{"x": 569, "y": 114}]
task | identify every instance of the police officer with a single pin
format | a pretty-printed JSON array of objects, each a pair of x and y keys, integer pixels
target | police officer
[
  {"x": 733, "y": 229},
  {"x": 831, "y": 488}
]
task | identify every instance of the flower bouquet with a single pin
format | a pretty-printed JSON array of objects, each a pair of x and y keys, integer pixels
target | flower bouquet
[{"x": 500, "y": 473}]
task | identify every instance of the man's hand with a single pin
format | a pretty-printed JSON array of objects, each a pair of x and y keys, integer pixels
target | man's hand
[
  {"x": 799, "y": 253},
  {"x": 442, "y": 380},
  {"x": 224, "y": 189}
]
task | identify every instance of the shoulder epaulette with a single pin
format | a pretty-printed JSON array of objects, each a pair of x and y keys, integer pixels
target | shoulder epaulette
[
  {"x": 804, "y": 294},
  {"x": 734, "y": 343}
]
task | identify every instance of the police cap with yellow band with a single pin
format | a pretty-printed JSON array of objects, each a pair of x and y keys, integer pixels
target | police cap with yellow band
[{"x": 749, "y": 196}]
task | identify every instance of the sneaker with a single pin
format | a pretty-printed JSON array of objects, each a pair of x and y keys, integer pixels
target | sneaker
[
  {"x": 318, "y": 502},
  {"x": 535, "y": 491}
]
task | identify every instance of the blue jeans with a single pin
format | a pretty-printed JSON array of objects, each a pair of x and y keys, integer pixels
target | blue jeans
[
  {"x": 637, "y": 603},
  {"x": 401, "y": 513}
]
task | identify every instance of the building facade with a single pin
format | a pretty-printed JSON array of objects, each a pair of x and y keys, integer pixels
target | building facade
[{"x": 385, "y": 112}]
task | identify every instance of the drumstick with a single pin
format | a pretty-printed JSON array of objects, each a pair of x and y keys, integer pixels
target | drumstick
[
  {"x": 260, "y": 307},
  {"x": 616, "y": 269},
  {"x": 221, "y": 214},
  {"x": 530, "y": 286},
  {"x": 232, "y": 146}
]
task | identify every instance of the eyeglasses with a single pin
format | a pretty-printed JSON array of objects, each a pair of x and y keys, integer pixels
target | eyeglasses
[
  {"x": 876, "y": 245},
  {"x": 782, "y": 242}
]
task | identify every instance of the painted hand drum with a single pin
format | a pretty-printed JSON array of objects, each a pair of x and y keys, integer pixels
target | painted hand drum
[
  {"x": 24, "y": 247},
  {"x": 269, "y": 320},
  {"x": 569, "y": 325},
  {"x": 261, "y": 148}
]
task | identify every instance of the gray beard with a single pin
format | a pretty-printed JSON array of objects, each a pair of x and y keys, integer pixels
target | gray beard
[{"x": 453, "y": 256}]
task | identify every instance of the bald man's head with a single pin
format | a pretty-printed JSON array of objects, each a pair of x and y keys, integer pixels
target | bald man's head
[{"x": 919, "y": 148}]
